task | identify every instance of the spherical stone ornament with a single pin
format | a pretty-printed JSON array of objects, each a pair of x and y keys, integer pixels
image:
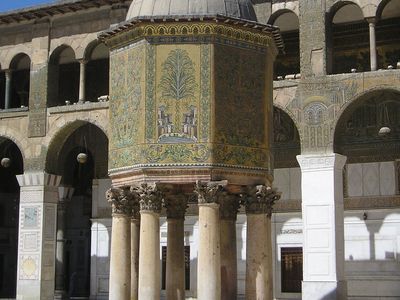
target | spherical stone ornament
[
  {"x": 82, "y": 158},
  {"x": 6, "y": 162}
]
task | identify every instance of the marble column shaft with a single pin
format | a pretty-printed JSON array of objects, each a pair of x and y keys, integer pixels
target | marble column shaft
[
  {"x": 120, "y": 261},
  {"x": 259, "y": 280},
  {"x": 175, "y": 273},
  {"x": 372, "y": 44},
  {"x": 82, "y": 80},
  {"x": 65, "y": 195},
  {"x": 7, "y": 101},
  {"x": 229, "y": 205},
  {"x": 60, "y": 267},
  {"x": 149, "y": 247},
  {"x": 135, "y": 237},
  {"x": 209, "y": 256}
]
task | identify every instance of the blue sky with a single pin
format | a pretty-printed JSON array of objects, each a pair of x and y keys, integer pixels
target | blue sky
[{"x": 6, "y": 5}]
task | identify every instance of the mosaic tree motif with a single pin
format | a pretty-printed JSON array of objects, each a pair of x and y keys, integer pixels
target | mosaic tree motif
[{"x": 178, "y": 85}]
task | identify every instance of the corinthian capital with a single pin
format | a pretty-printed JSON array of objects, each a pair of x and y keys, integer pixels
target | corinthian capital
[
  {"x": 229, "y": 206},
  {"x": 261, "y": 199},
  {"x": 176, "y": 206},
  {"x": 150, "y": 197},
  {"x": 209, "y": 192},
  {"x": 121, "y": 200}
]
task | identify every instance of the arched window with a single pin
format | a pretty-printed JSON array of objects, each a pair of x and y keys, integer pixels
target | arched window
[
  {"x": 97, "y": 71},
  {"x": 15, "y": 83},
  {"x": 348, "y": 40},
  {"x": 287, "y": 63},
  {"x": 63, "y": 80},
  {"x": 388, "y": 34}
]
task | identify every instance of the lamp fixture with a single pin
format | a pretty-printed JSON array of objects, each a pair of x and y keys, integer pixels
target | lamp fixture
[
  {"x": 5, "y": 162},
  {"x": 385, "y": 129}
]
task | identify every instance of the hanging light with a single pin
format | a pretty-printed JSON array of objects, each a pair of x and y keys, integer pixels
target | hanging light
[
  {"x": 385, "y": 129},
  {"x": 82, "y": 158},
  {"x": 6, "y": 162}
]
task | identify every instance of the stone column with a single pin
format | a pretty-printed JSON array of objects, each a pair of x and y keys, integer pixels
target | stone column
[
  {"x": 7, "y": 101},
  {"x": 229, "y": 206},
  {"x": 372, "y": 43},
  {"x": 135, "y": 235},
  {"x": 322, "y": 214},
  {"x": 82, "y": 81},
  {"x": 149, "y": 248},
  {"x": 37, "y": 235},
  {"x": 65, "y": 195},
  {"x": 175, "y": 275},
  {"x": 209, "y": 260},
  {"x": 259, "y": 281},
  {"x": 120, "y": 261}
]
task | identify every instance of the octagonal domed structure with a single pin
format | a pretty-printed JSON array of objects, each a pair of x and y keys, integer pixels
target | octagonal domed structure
[{"x": 242, "y": 9}]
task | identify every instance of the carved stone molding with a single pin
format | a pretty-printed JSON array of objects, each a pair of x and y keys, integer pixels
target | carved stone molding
[
  {"x": 260, "y": 199},
  {"x": 150, "y": 197},
  {"x": 176, "y": 206},
  {"x": 229, "y": 206},
  {"x": 209, "y": 192},
  {"x": 321, "y": 161},
  {"x": 121, "y": 201}
]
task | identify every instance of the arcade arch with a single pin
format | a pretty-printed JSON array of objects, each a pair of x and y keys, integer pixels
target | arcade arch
[
  {"x": 348, "y": 39},
  {"x": 63, "y": 77},
  {"x": 10, "y": 166},
  {"x": 79, "y": 154},
  {"x": 287, "y": 63},
  {"x": 97, "y": 59}
]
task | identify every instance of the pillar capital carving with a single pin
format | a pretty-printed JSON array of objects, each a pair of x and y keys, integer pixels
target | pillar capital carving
[
  {"x": 176, "y": 206},
  {"x": 260, "y": 199},
  {"x": 135, "y": 207},
  {"x": 8, "y": 72},
  {"x": 229, "y": 206},
  {"x": 209, "y": 192},
  {"x": 150, "y": 197},
  {"x": 309, "y": 163},
  {"x": 83, "y": 61},
  {"x": 121, "y": 200}
]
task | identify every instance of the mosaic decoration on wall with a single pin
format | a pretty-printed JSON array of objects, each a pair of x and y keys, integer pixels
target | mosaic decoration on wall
[
  {"x": 126, "y": 103},
  {"x": 177, "y": 106},
  {"x": 240, "y": 103},
  {"x": 157, "y": 122},
  {"x": 37, "y": 105},
  {"x": 161, "y": 106},
  {"x": 240, "y": 106}
]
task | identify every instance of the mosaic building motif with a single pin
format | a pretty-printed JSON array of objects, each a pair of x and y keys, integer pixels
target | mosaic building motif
[{"x": 177, "y": 110}]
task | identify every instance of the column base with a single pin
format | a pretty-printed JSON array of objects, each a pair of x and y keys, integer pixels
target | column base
[{"x": 324, "y": 290}]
